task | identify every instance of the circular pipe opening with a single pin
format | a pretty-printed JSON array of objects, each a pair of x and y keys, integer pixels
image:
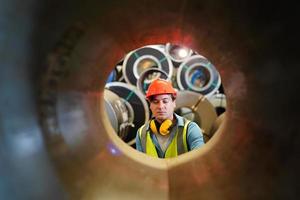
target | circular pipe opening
[{"x": 198, "y": 101}]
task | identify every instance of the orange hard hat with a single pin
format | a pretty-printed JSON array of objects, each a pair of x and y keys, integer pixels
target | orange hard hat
[{"x": 160, "y": 86}]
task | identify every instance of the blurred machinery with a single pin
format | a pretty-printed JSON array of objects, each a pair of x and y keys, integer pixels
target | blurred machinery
[
  {"x": 127, "y": 109},
  {"x": 201, "y": 97}
]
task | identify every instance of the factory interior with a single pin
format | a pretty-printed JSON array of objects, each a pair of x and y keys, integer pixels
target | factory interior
[{"x": 73, "y": 80}]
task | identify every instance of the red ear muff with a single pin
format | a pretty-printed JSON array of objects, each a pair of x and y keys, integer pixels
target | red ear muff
[{"x": 164, "y": 127}]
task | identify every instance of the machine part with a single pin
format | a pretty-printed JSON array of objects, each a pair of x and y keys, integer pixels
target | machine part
[
  {"x": 199, "y": 75},
  {"x": 204, "y": 112},
  {"x": 135, "y": 102},
  {"x": 112, "y": 76},
  {"x": 115, "y": 75},
  {"x": 119, "y": 73},
  {"x": 178, "y": 53},
  {"x": 119, "y": 112},
  {"x": 218, "y": 100},
  {"x": 147, "y": 76},
  {"x": 111, "y": 114},
  {"x": 144, "y": 58},
  {"x": 127, "y": 119}
]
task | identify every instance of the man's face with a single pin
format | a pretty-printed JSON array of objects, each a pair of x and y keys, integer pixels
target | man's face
[{"x": 162, "y": 107}]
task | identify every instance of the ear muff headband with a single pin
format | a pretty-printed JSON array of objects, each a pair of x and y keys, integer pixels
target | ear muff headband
[{"x": 164, "y": 127}]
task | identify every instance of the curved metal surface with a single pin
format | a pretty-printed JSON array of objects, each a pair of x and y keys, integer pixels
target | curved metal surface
[
  {"x": 139, "y": 60},
  {"x": 204, "y": 112},
  {"x": 136, "y": 105},
  {"x": 144, "y": 82},
  {"x": 208, "y": 76},
  {"x": 254, "y": 154}
]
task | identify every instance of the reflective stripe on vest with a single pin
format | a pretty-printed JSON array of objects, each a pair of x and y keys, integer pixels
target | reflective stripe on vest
[{"x": 177, "y": 146}]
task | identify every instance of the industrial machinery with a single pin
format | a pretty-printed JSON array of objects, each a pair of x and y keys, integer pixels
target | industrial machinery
[{"x": 188, "y": 71}]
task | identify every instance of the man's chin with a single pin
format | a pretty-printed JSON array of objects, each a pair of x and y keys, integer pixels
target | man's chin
[{"x": 161, "y": 118}]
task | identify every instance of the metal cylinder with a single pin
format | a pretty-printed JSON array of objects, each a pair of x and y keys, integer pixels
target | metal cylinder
[
  {"x": 199, "y": 75},
  {"x": 136, "y": 105},
  {"x": 120, "y": 113},
  {"x": 204, "y": 112},
  {"x": 144, "y": 58},
  {"x": 147, "y": 76}
]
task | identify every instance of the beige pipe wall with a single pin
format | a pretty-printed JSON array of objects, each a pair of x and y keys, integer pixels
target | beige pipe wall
[{"x": 252, "y": 156}]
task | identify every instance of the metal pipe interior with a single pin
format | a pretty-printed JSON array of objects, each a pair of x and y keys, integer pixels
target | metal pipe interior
[{"x": 56, "y": 141}]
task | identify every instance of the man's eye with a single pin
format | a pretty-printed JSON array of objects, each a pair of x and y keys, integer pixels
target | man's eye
[{"x": 166, "y": 101}]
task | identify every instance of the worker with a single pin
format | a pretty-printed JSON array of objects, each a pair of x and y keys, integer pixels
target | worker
[{"x": 166, "y": 134}]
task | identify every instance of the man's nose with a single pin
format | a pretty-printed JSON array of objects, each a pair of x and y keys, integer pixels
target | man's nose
[{"x": 160, "y": 104}]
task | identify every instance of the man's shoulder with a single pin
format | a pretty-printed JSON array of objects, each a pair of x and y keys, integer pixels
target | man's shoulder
[
  {"x": 180, "y": 120},
  {"x": 145, "y": 126}
]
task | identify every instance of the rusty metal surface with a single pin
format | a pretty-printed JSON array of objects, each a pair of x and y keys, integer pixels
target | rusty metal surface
[{"x": 56, "y": 142}]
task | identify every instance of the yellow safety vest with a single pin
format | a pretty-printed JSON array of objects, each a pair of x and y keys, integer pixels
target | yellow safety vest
[{"x": 177, "y": 146}]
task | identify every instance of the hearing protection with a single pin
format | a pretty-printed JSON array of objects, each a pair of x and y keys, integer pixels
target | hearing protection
[{"x": 164, "y": 128}]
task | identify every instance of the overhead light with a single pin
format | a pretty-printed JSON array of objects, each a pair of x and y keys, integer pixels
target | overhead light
[
  {"x": 178, "y": 53},
  {"x": 182, "y": 52}
]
